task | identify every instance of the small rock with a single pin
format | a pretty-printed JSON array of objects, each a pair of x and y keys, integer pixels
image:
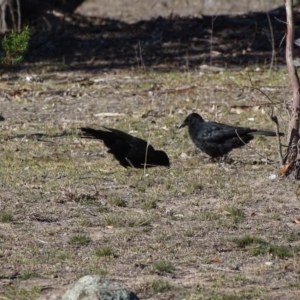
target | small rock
[
  {"x": 183, "y": 156},
  {"x": 93, "y": 287},
  {"x": 272, "y": 176},
  {"x": 33, "y": 78}
]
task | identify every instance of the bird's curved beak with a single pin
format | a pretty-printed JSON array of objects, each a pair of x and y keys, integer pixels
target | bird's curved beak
[{"x": 181, "y": 125}]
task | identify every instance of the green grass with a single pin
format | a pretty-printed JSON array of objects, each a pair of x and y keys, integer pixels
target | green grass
[
  {"x": 95, "y": 270},
  {"x": 6, "y": 217},
  {"x": 189, "y": 233},
  {"x": 149, "y": 204},
  {"x": 248, "y": 240},
  {"x": 193, "y": 187},
  {"x": 22, "y": 294},
  {"x": 293, "y": 236},
  {"x": 80, "y": 239},
  {"x": 236, "y": 214},
  {"x": 163, "y": 266},
  {"x": 280, "y": 251},
  {"x": 206, "y": 293},
  {"x": 102, "y": 208},
  {"x": 104, "y": 251},
  {"x": 28, "y": 275},
  {"x": 209, "y": 216},
  {"x": 258, "y": 246},
  {"x": 275, "y": 216},
  {"x": 125, "y": 219},
  {"x": 63, "y": 256},
  {"x": 160, "y": 285},
  {"x": 117, "y": 200}
]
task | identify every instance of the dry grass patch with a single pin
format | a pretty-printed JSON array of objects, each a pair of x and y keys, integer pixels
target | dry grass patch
[
  {"x": 69, "y": 209},
  {"x": 125, "y": 219},
  {"x": 22, "y": 294}
]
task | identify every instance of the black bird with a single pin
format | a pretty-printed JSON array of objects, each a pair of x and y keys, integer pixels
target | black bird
[
  {"x": 130, "y": 151},
  {"x": 216, "y": 139}
]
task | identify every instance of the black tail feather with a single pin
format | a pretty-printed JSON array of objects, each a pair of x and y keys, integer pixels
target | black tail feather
[{"x": 265, "y": 132}]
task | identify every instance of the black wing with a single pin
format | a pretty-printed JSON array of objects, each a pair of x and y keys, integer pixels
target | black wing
[
  {"x": 130, "y": 151},
  {"x": 132, "y": 140},
  {"x": 212, "y": 132}
]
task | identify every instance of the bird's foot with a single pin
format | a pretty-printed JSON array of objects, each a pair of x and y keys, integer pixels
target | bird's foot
[{"x": 225, "y": 160}]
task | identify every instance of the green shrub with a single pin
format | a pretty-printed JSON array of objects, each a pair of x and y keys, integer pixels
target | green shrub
[{"x": 14, "y": 45}]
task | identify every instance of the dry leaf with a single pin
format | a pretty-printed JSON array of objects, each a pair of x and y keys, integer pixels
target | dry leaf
[
  {"x": 283, "y": 169},
  {"x": 109, "y": 227},
  {"x": 297, "y": 221}
]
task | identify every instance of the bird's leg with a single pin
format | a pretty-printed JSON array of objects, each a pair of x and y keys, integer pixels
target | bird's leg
[
  {"x": 129, "y": 162},
  {"x": 226, "y": 158},
  {"x": 222, "y": 161},
  {"x": 222, "y": 158}
]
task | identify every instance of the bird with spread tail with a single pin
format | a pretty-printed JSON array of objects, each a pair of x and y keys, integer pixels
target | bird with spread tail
[
  {"x": 217, "y": 139},
  {"x": 130, "y": 151}
]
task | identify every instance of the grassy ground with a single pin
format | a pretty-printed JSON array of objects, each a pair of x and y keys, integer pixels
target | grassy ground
[{"x": 194, "y": 231}]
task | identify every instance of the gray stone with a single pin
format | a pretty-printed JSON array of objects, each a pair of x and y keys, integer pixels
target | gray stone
[{"x": 93, "y": 287}]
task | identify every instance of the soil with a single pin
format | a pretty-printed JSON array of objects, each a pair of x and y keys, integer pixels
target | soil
[{"x": 67, "y": 209}]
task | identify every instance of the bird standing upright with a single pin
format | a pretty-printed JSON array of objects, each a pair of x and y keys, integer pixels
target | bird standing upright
[
  {"x": 216, "y": 139},
  {"x": 130, "y": 151}
]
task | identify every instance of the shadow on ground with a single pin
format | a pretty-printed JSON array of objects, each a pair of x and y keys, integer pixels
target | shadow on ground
[{"x": 77, "y": 42}]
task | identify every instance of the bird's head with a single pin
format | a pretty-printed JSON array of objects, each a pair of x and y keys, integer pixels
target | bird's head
[
  {"x": 190, "y": 119},
  {"x": 162, "y": 158}
]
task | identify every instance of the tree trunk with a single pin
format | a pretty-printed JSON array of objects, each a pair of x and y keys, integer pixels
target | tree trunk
[
  {"x": 291, "y": 161},
  {"x": 10, "y": 15}
]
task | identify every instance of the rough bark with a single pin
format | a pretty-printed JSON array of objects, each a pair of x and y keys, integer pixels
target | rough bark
[
  {"x": 291, "y": 158},
  {"x": 10, "y": 15}
]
